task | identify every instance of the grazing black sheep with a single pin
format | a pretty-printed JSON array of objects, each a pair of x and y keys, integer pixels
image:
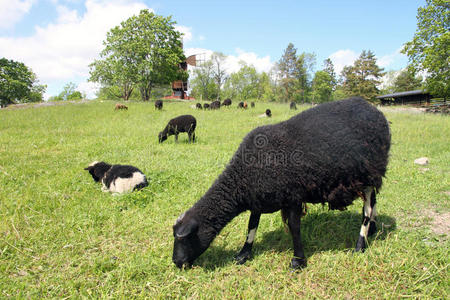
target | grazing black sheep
[
  {"x": 241, "y": 104},
  {"x": 331, "y": 153},
  {"x": 226, "y": 102},
  {"x": 215, "y": 105},
  {"x": 158, "y": 104},
  {"x": 252, "y": 104},
  {"x": 117, "y": 178},
  {"x": 293, "y": 106},
  {"x": 268, "y": 113},
  {"x": 198, "y": 106},
  {"x": 205, "y": 106},
  {"x": 184, "y": 123}
]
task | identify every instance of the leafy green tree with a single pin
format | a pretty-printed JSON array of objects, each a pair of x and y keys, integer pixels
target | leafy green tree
[
  {"x": 18, "y": 83},
  {"x": 294, "y": 74},
  {"x": 143, "y": 52},
  {"x": 329, "y": 68},
  {"x": 245, "y": 82},
  {"x": 363, "y": 77},
  {"x": 429, "y": 49},
  {"x": 407, "y": 81},
  {"x": 202, "y": 83},
  {"x": 322, "y": 88}
]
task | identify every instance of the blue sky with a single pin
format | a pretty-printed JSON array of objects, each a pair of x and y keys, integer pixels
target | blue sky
[{"x": 59, "y": 38}]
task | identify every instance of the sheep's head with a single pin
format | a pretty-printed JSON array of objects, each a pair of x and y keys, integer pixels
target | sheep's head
[
  {"x": 98, "y": 170},
  {"x": 189, "y": 242},
  {"x": 162, "y": 137}
]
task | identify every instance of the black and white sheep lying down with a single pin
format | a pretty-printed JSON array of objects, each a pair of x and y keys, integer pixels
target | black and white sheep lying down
[
  {"x": 331, "y": 153},
  {"x": 184, "y": 123},
  {"x": 117, "y": 178}
]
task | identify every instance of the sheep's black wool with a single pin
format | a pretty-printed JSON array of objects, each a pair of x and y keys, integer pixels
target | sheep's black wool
[
  {"x": 184, "y": 123},
  {"x": 241, "y": 104},
  {"x": 268, "y": 113},
  {"x": 158, "y": 104},
  {"x": 331, "y": 153},
  {"x": 293, "y": 106},
  {"x": 252, "y": 104},
  {"x": 205, "y": 106},
  {"x": 226, "y": 102},
  {"x": 117, "y": 178},
  {"x": 215, "y": 105},
  {"x": 198, "y": 106}
]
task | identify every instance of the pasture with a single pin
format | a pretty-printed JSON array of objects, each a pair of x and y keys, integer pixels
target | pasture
[{"x": 61, "y": 236}]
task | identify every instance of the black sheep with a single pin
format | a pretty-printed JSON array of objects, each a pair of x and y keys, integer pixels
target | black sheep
[
  {"x": 241, "y": 104},
  {"x": 184, "y": 123},
  {"x": 268, "y": 113},
  {"x": 226, "y": 102},
  {"x": 331, "y": 153},
  {"x": 158, "y": 104},
  {"x": 252, "y": 104},
  {"x": 215, "y": 105},
  {"x": 205, "y": 106},
  {"x": 198, "y": 106},
  {"x": 293, "y": 106},
  {"x": 117, "y": 178}
]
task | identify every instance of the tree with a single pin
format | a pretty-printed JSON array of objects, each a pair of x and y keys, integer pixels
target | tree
[
  {"x": 429, "y": 49},
  {"x": 407, "y": 81},
  {"x": 202, "y": 83},
  {"x": 294, "y": 73},
  {"x": 218, "y": 70},
  {"x": 143, "y": 52},
  {"x": 18, "y": 83},
  {"x": 321, "y": 87},
  {"x": 363, "y": 77},
  {"x": 329, "y": 68},
  {"x": 245, "y": 82}
]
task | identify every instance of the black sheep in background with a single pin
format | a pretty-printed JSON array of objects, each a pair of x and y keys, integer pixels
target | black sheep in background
[
  {"x": 332, "y": 153},
  {"x": 158, "y": 104},
  {"x": 184, "y": 123},
  {"x": 215, "y": 105},
  {"x": 205, "y": 106},
  {"x": 226, "y": 102},
  {"x": 268, "y": 113},
  {"x": 252, "y": 104},
  {"x": 293, "y": 106},
  {"x": 198, "y": 106}
]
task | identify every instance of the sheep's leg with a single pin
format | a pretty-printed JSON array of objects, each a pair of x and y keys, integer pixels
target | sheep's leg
[
  {"x": 246, "y": 250},
  {"x": 193, "y": 137},
  {"x": 293, "y": 216},
  {"x": 368, "y": 226},
  {"x": 176, "y": 137}
]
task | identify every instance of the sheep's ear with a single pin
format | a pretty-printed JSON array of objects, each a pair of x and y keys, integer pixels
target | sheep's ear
[
  {"x": 88, "y": 168},
  {"x": 187, "y": 228}
]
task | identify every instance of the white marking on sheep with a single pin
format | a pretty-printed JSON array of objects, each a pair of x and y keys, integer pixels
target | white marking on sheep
[
  {"x": 251, "y": 235},
  {"x": 123, "y": 185}
]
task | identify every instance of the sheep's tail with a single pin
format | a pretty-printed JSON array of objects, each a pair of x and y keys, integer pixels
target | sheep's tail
[{"x": 284, "y": 216}]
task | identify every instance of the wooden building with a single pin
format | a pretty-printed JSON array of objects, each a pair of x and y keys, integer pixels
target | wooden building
[{"x": 418, "y": 97}]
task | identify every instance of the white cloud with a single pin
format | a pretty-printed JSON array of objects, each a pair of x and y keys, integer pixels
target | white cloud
[
  {"x": 343, "y": 58},
  {"x": 12, "y": 11},
  {"x": 64, "y": 49},
  {"x": 391, "y": 60},
  {"x": 186, "y": 31}
]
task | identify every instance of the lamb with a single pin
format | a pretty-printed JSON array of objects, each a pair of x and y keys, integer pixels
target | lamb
[
  {"x": 198, "y": 106},
  {"x": 293, "y": 106},
  {"x": 268, "y": 113},
  {"x": 117, "y": 178},
  {"x": 158, "y": 104},
  {"x": 226, "y": 102},
  {"x": 205, "y": 106},
  {"x": 215, "y": 105},
  {"x": 184, "y": 123},
  {"x": 120, "y": 106},
  {"x": 331, "y": 153}
]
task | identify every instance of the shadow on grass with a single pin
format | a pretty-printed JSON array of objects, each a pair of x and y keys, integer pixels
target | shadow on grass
[{"x": 319, "y": 231}]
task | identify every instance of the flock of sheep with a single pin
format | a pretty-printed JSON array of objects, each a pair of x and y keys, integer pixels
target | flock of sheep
[{"x": 330, "y": 154}]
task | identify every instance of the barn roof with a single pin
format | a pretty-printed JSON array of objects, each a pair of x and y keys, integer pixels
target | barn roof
[{"x": 403, "y": 94}]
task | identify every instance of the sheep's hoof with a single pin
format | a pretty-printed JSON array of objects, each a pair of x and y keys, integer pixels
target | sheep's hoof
[
  {"x": 360, "y": 245},
  {"x": 298, "y": 263},
  {"x": 242, "y": 257}
]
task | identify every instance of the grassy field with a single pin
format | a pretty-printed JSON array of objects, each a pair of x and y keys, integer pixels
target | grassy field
[{"x": 61, "y": 236}]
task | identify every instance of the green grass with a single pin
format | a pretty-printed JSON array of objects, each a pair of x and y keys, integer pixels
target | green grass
[{"x": 60, "y": 236}]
